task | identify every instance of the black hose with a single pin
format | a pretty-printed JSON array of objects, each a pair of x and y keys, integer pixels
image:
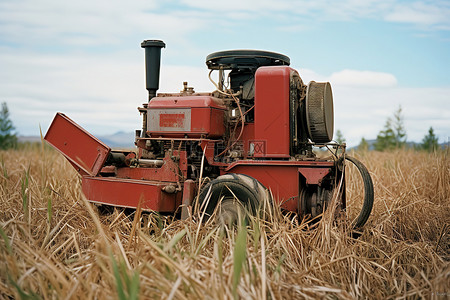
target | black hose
[{"x": 368, "y": 193}]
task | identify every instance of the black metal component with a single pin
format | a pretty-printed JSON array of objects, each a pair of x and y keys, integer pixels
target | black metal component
[
  {"x": 319, "y": 112},
  {"x": 368, "y": 193},
  {"x": 243, "y": 65},
  {"x": 315, "y": 200},
  {"x": 245, "y": 59},
  {"x": 152, "y": 65},
  {"x": 116, "y": 158}
]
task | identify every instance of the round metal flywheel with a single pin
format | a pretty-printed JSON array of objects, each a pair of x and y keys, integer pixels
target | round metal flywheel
[{"x": 319, "y": 112}]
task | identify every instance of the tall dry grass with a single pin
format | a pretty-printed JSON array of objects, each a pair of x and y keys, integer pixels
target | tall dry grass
[{"x": 54, "y": 245}]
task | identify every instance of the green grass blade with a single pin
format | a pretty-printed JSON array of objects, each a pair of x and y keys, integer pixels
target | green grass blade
[
  {"x": 176, "y": 238},
  {"x": 7, "y": 242},
  {"x": 119, "y": 282},
  {"x": 239, "y": 257}
]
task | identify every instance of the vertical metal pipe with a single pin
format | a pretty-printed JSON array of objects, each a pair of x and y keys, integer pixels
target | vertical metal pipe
[
  {"x": 152, "y": 68},
  {"x": 152, "y": 65}
]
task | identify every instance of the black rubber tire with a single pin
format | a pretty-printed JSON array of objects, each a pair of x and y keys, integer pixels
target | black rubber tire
[
  {"x": 368, "y": 193},
  {"x": 249, "y": 192}
]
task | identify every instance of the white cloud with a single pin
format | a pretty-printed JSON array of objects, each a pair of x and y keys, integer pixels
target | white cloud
[
  {"x": 424, "y": 13},
  {"x": 83, "y": 23},
  {"x": 101, "y": 90},
  {"x": 172, "y": 78},
  {"x": 363, "y": 100},
  {"x": 308, "y": 75},
  {"x": 102, "y": 93},
  {"x": 259, "y": 6},
  {"x": 351, "y": 78},
  {"x": 362, "y": 112},
  {"x": 421, "y": 13},
  {"x": 357, "y": 78},
  {"x": 91, "y": 23}
]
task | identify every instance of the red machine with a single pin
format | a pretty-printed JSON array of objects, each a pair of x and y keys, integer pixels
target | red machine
[{"x": 254, "y": 133}]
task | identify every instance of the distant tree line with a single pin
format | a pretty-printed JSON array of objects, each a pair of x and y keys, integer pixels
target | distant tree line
[
  {"x": 8, "y": 137},
  {"x": 393, "y": 136}
]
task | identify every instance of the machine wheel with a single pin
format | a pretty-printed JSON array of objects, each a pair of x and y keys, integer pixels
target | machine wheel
[
  {"x": 236, "y": 194},
  {"x": 368, "y": 194}
]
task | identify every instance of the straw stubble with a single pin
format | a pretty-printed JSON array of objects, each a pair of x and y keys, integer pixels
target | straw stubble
[{"x": 54, "y": 244}]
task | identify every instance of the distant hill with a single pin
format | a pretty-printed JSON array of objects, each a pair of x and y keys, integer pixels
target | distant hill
[
  {"x": 117, "y": 140},
  {"x": 28, "y": 139}
]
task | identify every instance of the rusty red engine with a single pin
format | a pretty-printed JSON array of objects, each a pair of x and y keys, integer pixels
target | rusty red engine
[{"x": 250, "y": 140}]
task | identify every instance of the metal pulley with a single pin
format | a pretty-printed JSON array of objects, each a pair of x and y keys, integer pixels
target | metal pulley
[{"x": 319, "y": 112}]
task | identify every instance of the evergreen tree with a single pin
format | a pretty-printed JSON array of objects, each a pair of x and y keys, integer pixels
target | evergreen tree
[
  {"x": 339, "y": 137},
  {"x": 363, "y": 145},
  {"x": 8, "y": 138},
  {"x": 399, "y": 128},
  {"x": 430, "y": 141},
  {"x": 386, "y": 138},
  {"x": 393, "y": 135}
]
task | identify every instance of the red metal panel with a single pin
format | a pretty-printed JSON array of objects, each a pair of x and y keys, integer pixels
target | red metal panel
[
  {"x": 171, "y": 120},
  {"x": 207, "y": 121},
  {"x": 297, "y": 164},
  {"x": 281, "y": 180},
  {"x": 281, "y": 177},
  {"x": 85, "y": 152},
  {"x": 128, "y": 193},
  {"x": 186, "y": 102},
  {"x": 192, "y": 116},
  {"x": 188, "y": 197},
  {"x": 314, "y": 175},
  {"x": 272, "y": 111}
]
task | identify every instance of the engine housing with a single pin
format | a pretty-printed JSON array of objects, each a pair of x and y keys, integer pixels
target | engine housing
[{"x": 186, "y": 116}]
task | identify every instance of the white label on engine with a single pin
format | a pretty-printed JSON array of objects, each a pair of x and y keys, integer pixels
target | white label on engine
[{"x": 174, "y": 119}]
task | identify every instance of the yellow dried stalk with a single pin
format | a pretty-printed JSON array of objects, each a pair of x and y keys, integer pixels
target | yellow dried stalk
[{"x": 71, "y": 251}]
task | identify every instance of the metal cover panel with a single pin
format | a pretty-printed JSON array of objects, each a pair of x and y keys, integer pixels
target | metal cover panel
[
  {"x": 272, "y": 93},
  {"x": 173, "y": 119},
  {"x": 85, "y": 152},
  {"x": 129, "y": 192}
]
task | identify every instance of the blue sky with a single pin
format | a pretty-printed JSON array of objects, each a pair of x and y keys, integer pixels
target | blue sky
[{"x": 83, "y": 58}]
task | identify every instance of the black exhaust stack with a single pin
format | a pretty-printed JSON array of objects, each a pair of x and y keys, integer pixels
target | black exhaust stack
[{"x": 152, "y": 65}]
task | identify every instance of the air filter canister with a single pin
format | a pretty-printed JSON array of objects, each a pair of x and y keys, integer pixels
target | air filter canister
[{"x": 319, "y": 112}]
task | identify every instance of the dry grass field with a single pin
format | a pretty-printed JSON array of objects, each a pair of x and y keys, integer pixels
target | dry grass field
[{"x": 55, "y": 245}]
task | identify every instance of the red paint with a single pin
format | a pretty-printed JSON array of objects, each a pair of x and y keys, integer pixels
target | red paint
[
  {"x": 272, "y": 111},
  {"x": 128, "y": 192},
  {"x": 186, "y": 102},
  {"x": 85, "y": 152},
  {"x": 282, "y": 178},
  {"x": 301, "y": 163},
  {"x": 171, "y": 120},
  {"x": 199, "y": 118},
  {"x": 314, "y": 175},
  {"x": 207, "y": 116},
  {"x": 188, "y": 197}
]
